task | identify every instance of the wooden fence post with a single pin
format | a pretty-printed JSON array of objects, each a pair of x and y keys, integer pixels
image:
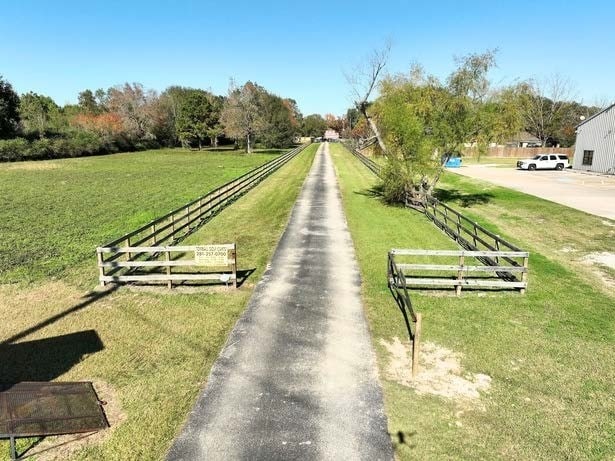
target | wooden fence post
[
  {"x": 168, "y": 259},
  {"x": 459, "y": 275},
  {"x": 234, "y": 266},
  {"x": 524, "y": 273},
  {"x": 101, "y": 269}
]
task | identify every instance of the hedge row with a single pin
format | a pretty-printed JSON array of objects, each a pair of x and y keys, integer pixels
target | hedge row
[{"x": 77, "y": 144}]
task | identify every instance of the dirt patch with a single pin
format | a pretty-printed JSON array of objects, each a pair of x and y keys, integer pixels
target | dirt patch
[
  {"x": 62, "y": 447},
  {"x": 440, "y": 372},
  {"x": 603, "y": 258}
]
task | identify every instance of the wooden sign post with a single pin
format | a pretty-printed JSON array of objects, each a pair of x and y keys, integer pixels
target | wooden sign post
[{"x": 224, "y": 255}]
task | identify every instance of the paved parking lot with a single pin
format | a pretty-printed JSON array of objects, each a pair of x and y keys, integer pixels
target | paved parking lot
[{"x": 591, "y": 193}]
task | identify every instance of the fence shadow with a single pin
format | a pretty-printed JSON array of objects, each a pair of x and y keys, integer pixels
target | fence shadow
[
  {"x": 90, "y": 298},
  {"x": 402, "y": 307},
  {"x": 465, "y": 200},
  {"x": 45, "y": 359}
]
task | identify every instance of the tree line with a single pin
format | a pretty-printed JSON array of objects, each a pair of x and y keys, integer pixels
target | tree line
[
  {"x": 420, "y": 120},
  {"x": 130, "y": 117}
]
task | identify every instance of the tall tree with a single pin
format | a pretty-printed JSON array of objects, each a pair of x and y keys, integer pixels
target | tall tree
[
  {"x": 542, "y": 103},
  {"x": 278, "y": 126},
  {"x": 314, "y": 126},
  {"x": 364, "y": 81},
  {"x": 194, "y": 118},
  {"x": 38, "y": 113},
  {"x": 424, "y": 120},
  {"x": 241, "y": 114},
  {"x": 135, "y": 106},
  {"x": 9, "y": 110},
  {"x": 88, "y": 103},
  {"x": 214, "y": 126}
]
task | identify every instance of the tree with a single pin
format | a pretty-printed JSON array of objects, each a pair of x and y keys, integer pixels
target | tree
[
  {"x": 38, "y": 113},
  {"x": 314, "y": 126},
  {"x": 363, "y": 81},
  {"x": 241, "y": 115},
  {"x": 424, "y": 121},
  {"x": 215, "y": 128},
  {"x": 542, "y": 104},
  {"x": 278, "y": 124},
  {"x": 194, "y": 118},
  {"x": 9, "y": 110},
  {"x": 88, "y": 103},
  {"x": 135, "y": 106},
  {"x": 334, "y": 122},
  {"x": 352, "y": 120}
]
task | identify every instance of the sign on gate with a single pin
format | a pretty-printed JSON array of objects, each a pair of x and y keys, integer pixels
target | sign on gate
[{"x": 214, "y": 255}]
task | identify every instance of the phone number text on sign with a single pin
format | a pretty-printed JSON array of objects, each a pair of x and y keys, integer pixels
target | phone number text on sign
[{"x": 213, "y": 255}]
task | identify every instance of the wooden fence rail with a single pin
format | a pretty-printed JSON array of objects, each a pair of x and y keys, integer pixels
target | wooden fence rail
[
  {"x": 460, "y": 269},
  {"x": 173, "y": 227},
  {"x": 368, "y": 162},
  {"x": 467, "y": 233},
  {"x": 160, "y": 270}
]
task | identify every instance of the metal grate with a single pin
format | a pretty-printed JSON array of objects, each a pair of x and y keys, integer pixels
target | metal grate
[{"x": 30, "y": 409}]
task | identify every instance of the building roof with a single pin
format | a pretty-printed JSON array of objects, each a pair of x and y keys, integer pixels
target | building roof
[{"x": 596, "y": 115}]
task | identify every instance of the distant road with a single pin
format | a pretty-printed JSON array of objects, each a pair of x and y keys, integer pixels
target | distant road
[{"x": 594, "y": 194}]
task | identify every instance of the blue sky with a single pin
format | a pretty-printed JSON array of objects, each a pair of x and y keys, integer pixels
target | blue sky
[{"x": 296, "y": 50}]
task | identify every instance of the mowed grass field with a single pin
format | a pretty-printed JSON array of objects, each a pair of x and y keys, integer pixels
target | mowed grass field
[
  {"x": 549, "y": 353},
  {"x": 147, "y": 350},
  {"x": 54, "y": 213}
]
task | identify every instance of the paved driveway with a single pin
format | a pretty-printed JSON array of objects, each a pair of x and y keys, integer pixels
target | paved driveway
[
  {"x": 297, "y": 378},
  {"x": 591, "y": 193}
]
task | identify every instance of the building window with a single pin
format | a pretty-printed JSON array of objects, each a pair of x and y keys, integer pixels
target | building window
[{"x": 588, "y": 157}]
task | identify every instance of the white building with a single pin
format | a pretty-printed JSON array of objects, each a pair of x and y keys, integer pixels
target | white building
[
  {"x": 595, "y": 146},
  {"x": 331, "y": 135}
]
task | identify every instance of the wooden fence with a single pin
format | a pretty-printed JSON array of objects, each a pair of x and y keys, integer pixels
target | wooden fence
[
  {"x": 460, "y": 268},
  {"x": 170, "y": 229},
  {"x": 399, "y": 290},
  {"x": 155, "y": 269},
  {"x": 467, "y": 233},
  {"x": 368, "y": 162},
  {"x": 518, "y": 152},
  {"x": 473, "y": 237}
]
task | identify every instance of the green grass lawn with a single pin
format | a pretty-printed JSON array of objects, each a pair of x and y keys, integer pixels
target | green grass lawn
[
  {"x": 56, "y": 212},
  {"x": 157, "y": 345},
  {"x": 549, "y": 353}
]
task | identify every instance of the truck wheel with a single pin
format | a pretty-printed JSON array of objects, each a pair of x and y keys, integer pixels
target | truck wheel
[
  {"x": 559, "y": 166},
  {"x": 531, "y": 167}
]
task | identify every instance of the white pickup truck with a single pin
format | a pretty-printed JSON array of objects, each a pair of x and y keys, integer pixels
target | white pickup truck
[{"x": 544, "y": 162}]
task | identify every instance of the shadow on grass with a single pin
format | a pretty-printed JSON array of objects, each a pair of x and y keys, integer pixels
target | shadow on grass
[
  {"x": 377, "y": 192},
  {"x": 397, "y": 296},
  {"x": 45, "y": 359},
  {"x": 462, "y": 198},
  {"x": 401, "y": 438},
  {"x": 90, "y": 298}
]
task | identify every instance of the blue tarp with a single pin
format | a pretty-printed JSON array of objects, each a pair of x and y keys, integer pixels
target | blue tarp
[{"x": 453, "y": 162}]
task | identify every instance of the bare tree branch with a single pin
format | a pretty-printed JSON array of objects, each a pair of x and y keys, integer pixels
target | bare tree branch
[{"x": 363, "y": 81}]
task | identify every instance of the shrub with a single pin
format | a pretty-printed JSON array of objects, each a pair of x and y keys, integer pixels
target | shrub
[
  {"x": 77, "y": 143},
  {"x": 13, "y": 149}
]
